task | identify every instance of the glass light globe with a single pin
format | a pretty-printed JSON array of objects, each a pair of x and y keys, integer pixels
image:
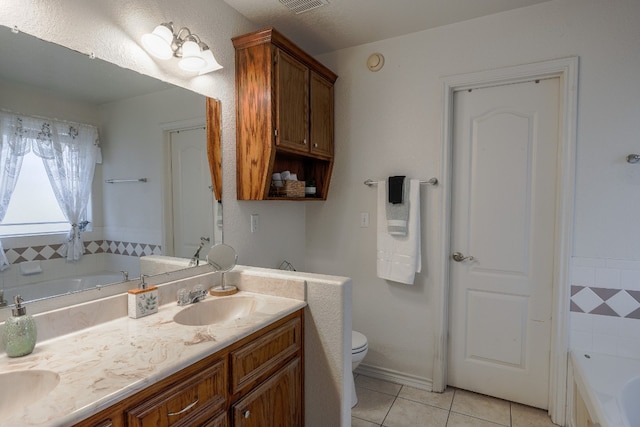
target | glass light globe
[
  {"x": 191, "y": 57},
  {"x": 212, "y": 64},
  {"x": 158, "y": 42}
]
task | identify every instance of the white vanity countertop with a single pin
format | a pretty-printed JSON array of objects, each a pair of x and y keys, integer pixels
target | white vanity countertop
[{"x": 100, "y": 365}]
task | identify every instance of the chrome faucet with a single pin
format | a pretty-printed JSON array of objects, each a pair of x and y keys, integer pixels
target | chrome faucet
[
  {"x": 195, "y": 259},
  {"x": 190, "y": 297}
]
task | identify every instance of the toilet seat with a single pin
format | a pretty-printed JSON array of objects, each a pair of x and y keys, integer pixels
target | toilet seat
[{"x": 358, "y": 342}]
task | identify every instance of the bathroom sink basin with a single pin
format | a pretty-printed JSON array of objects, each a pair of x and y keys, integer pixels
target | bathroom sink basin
[
  {"x": 218, "y": 310},
  {"x": 21, "y": 388}
]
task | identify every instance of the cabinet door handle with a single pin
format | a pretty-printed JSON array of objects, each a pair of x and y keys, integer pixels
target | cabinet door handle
[
  {"x": 315, "y": 145},
  {"x": 304, "y": 141},
  {"x": 185, "y": 409},
  {"x": 247, "y": 414}
]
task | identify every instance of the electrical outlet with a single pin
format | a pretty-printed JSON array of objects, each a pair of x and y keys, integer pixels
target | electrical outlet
[
  {"x": 254, "y": 223},
  {"x": 364, "y": 219}
]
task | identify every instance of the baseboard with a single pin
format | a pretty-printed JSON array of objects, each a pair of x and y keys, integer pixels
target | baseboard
[{"x": 395, "y": 377}]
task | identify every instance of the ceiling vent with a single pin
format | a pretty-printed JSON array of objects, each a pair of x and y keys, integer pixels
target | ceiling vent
[{"x": 301, "y": 6}]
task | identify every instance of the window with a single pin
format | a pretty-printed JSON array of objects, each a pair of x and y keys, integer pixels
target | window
[
  {"x": 33, "y": 208},
  {"x": 68, "y": 153}
]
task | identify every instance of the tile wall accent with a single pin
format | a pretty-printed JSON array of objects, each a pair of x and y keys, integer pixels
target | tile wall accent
[
  {"x": 605, "y": 301},
  {"x": 54, "y": 251},
  {"x": 605, "y": 306}
]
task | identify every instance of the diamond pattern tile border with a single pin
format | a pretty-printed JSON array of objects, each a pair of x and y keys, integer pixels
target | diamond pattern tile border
[
  {"x": 47, "y": 252},
  {"x": 605, "y": 301}
]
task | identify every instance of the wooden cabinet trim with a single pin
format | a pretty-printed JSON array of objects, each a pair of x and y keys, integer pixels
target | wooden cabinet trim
[
  {"x": 282, "y": 387},
  {"x": 273, "y": 36},
  {"x": 185, "y": 403},
  {"x": 257, "y": 360}
]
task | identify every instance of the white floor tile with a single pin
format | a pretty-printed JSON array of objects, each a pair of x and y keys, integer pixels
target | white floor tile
[
  {"x": 480, "y": 406},
  {"x": 378, "y": 385},
  {"x": 378, "y": 406},
  {"x": 459, "y": 420},
  {"x": 441, "y": 400},
  {"x": 526, "y": 416},
  {"x": 406, "y": 413},
  {"x": 372, "y": 406}
]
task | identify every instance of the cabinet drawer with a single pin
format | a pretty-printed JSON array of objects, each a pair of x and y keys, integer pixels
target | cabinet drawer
[
  {"x": 187, "y": 403},
  {"x": 257, "y": 360}
]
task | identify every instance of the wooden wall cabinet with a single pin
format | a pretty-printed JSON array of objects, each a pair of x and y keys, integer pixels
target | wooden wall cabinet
[
  {"x": 285, "y": 115},
  {"x": 257, "y": 381}
]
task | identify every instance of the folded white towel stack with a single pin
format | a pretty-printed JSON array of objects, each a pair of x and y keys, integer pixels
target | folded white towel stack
[{"x": 399, "y": 257}]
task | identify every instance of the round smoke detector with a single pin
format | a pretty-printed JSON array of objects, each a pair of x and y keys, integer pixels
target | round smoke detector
[{"x": 375, "y": 62}]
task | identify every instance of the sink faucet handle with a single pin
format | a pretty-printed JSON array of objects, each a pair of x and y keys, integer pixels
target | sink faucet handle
[
  {"x": 143, "y": 284},
  {"x": 183, "y": 297}
]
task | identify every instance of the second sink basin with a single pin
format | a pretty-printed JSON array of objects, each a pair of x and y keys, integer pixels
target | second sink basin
[
  {"x": 218, "y": 310},
  {"x": 21, "y": 388}
]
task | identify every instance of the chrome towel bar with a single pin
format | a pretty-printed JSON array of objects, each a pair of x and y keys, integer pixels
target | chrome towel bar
[
  {"x": 118, "y": 181},
  {"x": 432, "y": 181}
]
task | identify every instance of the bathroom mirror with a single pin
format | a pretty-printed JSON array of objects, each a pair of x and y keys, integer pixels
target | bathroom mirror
[
  {"x": 222, "y": 257},
  {"x": 142, "y": 124}
]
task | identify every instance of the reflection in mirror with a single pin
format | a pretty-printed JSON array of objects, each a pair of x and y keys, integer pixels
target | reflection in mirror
[
  {"x": 222, "y": 258},
  {"x": 147, "y": 129}
]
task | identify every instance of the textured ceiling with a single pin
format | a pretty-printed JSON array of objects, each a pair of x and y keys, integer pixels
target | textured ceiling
[{"x": 346, "y": 23}]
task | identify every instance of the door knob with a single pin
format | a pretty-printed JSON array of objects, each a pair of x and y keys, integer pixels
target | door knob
[{"x": 459, "y": 257}]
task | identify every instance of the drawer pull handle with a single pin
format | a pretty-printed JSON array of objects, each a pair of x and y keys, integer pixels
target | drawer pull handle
[
  {"x": 247, "y": 414},
  {"x": 185, "y": 409}
]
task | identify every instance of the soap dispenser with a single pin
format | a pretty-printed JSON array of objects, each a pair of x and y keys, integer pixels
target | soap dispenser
[{"x": 20, "y": 332}]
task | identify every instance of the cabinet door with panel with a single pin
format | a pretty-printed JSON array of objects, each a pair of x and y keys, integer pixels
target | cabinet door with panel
[
  {"x": 321, "y": 116},
  {"x": 292, "y": 94},
  {"x": 274, "y": 403}
]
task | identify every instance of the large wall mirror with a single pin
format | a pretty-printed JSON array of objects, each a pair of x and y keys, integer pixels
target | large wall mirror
[{"x": 152, "y": 192}]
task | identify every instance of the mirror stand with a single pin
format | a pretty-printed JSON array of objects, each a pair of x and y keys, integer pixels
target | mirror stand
[{"x": 222, "y": 258}]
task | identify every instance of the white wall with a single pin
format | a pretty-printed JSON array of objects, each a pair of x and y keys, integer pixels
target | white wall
[
  {"x": 389, "y": 123},
  {"x": 133, "y": 147},
  {"x": 112, "y": 31}
]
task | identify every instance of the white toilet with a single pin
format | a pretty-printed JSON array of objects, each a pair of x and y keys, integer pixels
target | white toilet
[{"x": 359, "y": 348}]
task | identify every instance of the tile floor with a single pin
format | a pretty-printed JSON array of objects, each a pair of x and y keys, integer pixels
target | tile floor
[{"x": 386, "y": 404}]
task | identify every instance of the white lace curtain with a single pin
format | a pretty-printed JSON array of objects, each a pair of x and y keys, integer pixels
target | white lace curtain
[{"x": 69, "y": 152}]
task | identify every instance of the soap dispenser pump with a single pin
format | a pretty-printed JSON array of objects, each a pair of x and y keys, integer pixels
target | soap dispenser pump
[{"x": 20, "y": 332}]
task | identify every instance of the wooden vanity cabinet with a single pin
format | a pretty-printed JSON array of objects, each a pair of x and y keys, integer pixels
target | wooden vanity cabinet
[
  {"x": 273, "y": 403},
  {"x": 285, "y": 115},
  {"x": 190, "y": 402},
  {"x": 257, "y": 381}
]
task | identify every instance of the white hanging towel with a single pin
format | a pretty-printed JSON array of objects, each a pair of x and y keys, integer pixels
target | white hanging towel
[{"x": 399, "y": 257}]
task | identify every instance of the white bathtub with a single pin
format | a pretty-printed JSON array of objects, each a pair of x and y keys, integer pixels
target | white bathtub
[
  {"x": 610, "y": 387},
  {"x": 39, "y": 290}
]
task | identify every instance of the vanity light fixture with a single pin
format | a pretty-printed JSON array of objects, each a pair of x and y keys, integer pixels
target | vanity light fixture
[{"x": 164, "y": 42}]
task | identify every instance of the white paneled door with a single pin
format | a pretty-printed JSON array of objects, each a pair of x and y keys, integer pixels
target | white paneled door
[
  {"x": 193, "y": 202},
  {"x": 505, "y": 149}
]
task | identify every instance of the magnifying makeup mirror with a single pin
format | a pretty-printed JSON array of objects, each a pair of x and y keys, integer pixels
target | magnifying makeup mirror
[{"x": 222, "y": 258}]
